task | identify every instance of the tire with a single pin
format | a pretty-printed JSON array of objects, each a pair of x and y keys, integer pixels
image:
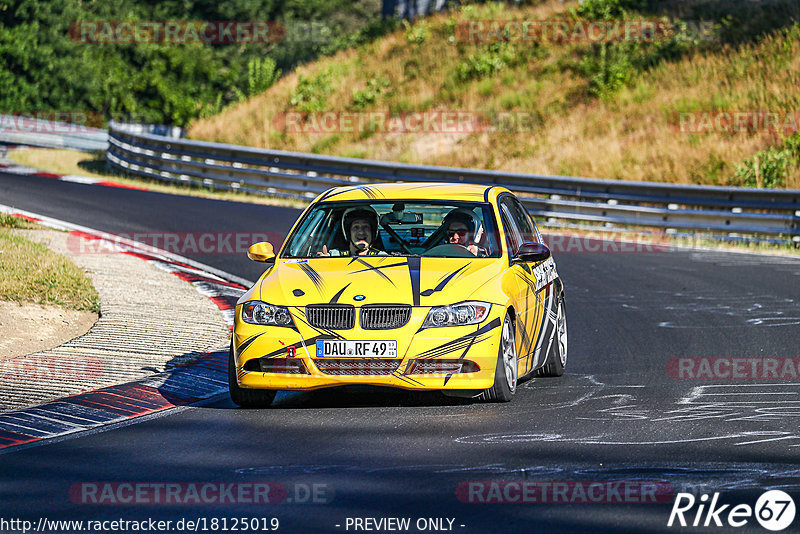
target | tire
[
  {"x": 246, "y": 398},
  {"x": 557, "y": 355},
  {"x": 506, "y": 371}
]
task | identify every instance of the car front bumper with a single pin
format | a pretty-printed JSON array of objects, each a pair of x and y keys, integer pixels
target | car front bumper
[{"x": 426, "y": 358}]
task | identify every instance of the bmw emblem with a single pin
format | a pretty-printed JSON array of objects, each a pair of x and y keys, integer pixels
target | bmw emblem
[{"x": 359, "y": 298}]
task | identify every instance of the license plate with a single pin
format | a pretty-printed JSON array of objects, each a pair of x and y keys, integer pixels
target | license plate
[{"x": 333, "y": 348}]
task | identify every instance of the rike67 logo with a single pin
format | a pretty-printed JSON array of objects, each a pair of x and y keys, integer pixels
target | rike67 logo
[{"x": 774, "y": 510}]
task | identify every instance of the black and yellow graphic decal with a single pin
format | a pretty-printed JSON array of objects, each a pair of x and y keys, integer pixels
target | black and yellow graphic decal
[
  {"x": 414, "y": 263},
  {"x": 481, "y": 334},
  {"x": 376, "y": 268},
  {"x": 315, "y": 277},
  {"x": 246, "y": 343},
  {"x": 335, "y": 298},
  {"x": 370, "y": 192},
  {"x": 443, "y": 282}
]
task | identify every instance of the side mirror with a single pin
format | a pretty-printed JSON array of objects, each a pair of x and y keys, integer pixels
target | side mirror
[
  {"x": 261, "y": 252},
  {"x": 531, "y": 253}
]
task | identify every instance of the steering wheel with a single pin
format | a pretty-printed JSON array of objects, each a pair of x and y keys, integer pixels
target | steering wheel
[{"x": 450, "y": 249}]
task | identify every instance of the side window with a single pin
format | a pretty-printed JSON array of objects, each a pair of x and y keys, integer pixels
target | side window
[
  {"x": 528, "y": 216},
  {"x": 522, "y": 219},
  {"x": 513, "y": 235}
]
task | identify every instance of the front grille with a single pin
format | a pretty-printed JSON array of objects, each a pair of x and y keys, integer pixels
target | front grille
[
  {"x": 384, "y": 317},
  {"x": 357, "y": 366},
  {"x": 332, "y": 317}
]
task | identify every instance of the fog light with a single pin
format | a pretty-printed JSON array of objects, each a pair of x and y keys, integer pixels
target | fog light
[
  {"x": 442, "y": 367},
  {"x": 292, "y": 366}
]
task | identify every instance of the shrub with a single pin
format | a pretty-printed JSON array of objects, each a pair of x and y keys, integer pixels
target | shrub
[
  {"x": 768, "y": 168},
  {"x": 487, "y": 62},
  {"x": 609, "y": 67},
  {"x": 368, "y": 96},
  {"x": 311, "y": 93},
  {"x": 262, "y": 73},
  {"x": 416, "y": 33},
  {"x": 608, "y": 9},
  {"x": 771, "y": 167},
  {"x": 792, "y": 144}
]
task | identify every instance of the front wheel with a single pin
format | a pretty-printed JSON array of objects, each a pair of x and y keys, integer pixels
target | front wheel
[
  {"x": 246, "y": 398},
  {"x": 505, "y": 374},
  {"x": 557, "y": 355}
]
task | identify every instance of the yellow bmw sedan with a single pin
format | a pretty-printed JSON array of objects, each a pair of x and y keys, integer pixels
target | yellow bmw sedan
[{"x": 428, "y": 286}]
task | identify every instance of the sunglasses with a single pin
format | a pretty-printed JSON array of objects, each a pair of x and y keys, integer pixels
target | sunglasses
[{"x": 460, "y": 231}]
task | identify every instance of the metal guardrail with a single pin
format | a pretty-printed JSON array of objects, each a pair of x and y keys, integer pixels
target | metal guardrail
[
  {"x": 737, "y": 210},
  {"x": 29, "y": 131}
]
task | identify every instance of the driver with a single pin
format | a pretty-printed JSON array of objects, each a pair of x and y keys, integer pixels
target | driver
[
  {"x": 460, "y": 230},
  {"x": 360, "y": 227}
]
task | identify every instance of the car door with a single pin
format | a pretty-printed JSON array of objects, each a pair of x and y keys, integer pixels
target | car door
[
  {"x": 535, "y": 295},
  {"x": 522, "y": 298}
]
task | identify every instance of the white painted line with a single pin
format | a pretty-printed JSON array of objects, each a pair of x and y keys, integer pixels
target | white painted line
[
  {"x": 758, "y": 393},
  {"x": 79, "y": 179},
  {"x": 765, "y": 440}
]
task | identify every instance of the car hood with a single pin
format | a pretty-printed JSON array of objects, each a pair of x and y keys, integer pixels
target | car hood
[{"x": 376, "y": 279}]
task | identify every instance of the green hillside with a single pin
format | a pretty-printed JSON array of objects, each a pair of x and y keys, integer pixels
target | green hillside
[{"x": 628, "y": 109}]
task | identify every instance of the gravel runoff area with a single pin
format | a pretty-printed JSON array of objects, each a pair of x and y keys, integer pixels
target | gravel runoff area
[
  {"x": 26, "y": 328},
  {"x": 150, "y": 320}
]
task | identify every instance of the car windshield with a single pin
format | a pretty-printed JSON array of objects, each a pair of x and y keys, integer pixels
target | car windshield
[{"x": 396, "y": 228}]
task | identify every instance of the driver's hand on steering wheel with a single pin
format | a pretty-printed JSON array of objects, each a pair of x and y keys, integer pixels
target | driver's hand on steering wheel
[
  {"x": 459, "y": 235},
  {"x": 324, "y": 251}
]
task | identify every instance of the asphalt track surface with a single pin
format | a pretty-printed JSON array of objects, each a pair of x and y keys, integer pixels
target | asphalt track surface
[{"x": 616, "y": 415}]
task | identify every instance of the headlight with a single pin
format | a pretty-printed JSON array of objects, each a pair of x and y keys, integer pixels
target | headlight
[
  {"x": 257, "y": 312},
  {"x": 459, "y": 314}
]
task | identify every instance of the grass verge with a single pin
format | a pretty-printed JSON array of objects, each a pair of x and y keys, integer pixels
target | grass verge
[{"x": 34, "y": 273}]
